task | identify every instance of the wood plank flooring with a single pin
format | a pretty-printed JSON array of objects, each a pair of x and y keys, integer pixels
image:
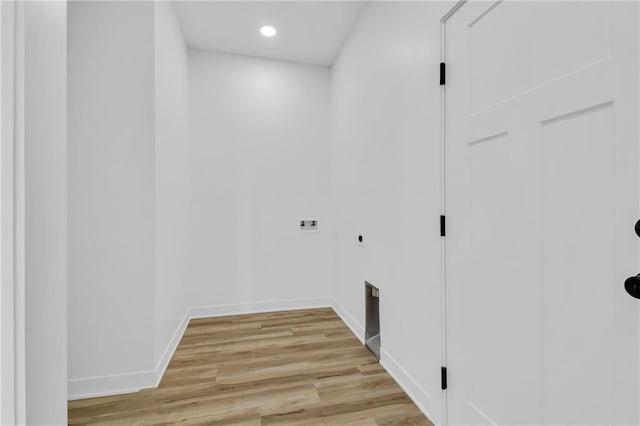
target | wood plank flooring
[{"x": 284, "y": 368}]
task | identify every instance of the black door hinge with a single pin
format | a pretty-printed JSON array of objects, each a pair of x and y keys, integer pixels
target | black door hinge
[
  {"x": 443, "y": 230},
  {"x": 443, "y": 78},
  {"x": 443, "y": 377}
]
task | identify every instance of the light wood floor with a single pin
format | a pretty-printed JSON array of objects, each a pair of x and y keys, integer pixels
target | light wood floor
[{"x": 286, "y": 368}]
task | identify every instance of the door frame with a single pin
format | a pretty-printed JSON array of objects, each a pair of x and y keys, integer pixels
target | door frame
[
  {"x": 443, "y": 198},
  {"x": 12, "y": 212}
]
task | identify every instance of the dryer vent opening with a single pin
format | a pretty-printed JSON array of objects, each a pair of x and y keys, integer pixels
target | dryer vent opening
[{"x": 372, "y": 320}]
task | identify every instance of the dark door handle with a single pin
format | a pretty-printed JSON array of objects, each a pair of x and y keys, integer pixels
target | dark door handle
[{"x": 632, "y": 285}]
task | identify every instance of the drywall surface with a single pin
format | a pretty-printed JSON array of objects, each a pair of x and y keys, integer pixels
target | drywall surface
[
  {"x": 386, "y": 185},
  {"x": 172, "y": 175},
  {"x": 260, "y": 164},
  {"x": 45, "y": 173},
  {"x": 111, "y": 156},
  {"x": 8, "y": 344}
]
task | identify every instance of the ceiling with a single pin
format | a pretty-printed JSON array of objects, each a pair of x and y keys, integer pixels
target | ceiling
[{"x": 310, "y": 32}]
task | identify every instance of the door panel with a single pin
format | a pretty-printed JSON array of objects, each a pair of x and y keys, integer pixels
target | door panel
[
  {"x": 542, "y": 194},
  {"x": 577, "y": 184},
  {"x": 533, "y": 54}
]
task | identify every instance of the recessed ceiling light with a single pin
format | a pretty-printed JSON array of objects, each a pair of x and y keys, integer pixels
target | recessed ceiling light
[{"x": 268, "y": 31}]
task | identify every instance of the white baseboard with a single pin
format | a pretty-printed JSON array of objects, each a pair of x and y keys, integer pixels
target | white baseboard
[
  {"x": 259, "y": 307},
  {"x": 117, "y": 384},
  {"x": 166, "y": 356},
  {"x": 417, "y": 394},
  {"x": 351, "y": 322},
  {"x": 92, "y": 387}
]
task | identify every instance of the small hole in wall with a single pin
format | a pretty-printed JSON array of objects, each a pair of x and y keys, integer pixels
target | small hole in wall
[{"x": 360, "y": 238}]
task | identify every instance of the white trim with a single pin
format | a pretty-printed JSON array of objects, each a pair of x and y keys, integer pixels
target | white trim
[
  {"x": 258, "y": 307},
  {"x": 7, "y": 287},
  {"x": 115, "y": 384},
  {"x": 351, "y": 322},
  {"x": 443, "y": 197},
  {"x": 166, "y": 356},
  {"x": 453, "y": 10},
  {"x": 638, "y": 97},
  {"x": 417, "y": 393},
  {"x": 19, "y": 217}
]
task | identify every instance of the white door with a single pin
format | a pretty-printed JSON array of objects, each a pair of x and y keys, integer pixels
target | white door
[{"x": 541, "y": 201}]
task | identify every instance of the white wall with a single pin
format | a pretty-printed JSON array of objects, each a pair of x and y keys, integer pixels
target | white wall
[
  {"x": 260, "y": 163},
  {"x": 45, "y": 172},
  {"x": 7, "y": 284},
  {"x": 111, "y": 191},
  {"x": 172, "y": 175},
  {"x": 385, "y": 170}
]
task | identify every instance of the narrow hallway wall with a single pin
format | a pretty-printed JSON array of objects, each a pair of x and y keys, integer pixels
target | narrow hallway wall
[
  {"x": 111, "y": 195},
  {"x": 386, "y": 186},
  {"x": 172, "y": 176}
]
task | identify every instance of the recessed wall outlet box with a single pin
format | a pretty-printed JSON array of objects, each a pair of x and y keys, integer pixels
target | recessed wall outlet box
[
  {"x": 372, "y": 319},
  {"x": 307, "y": 225}
]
